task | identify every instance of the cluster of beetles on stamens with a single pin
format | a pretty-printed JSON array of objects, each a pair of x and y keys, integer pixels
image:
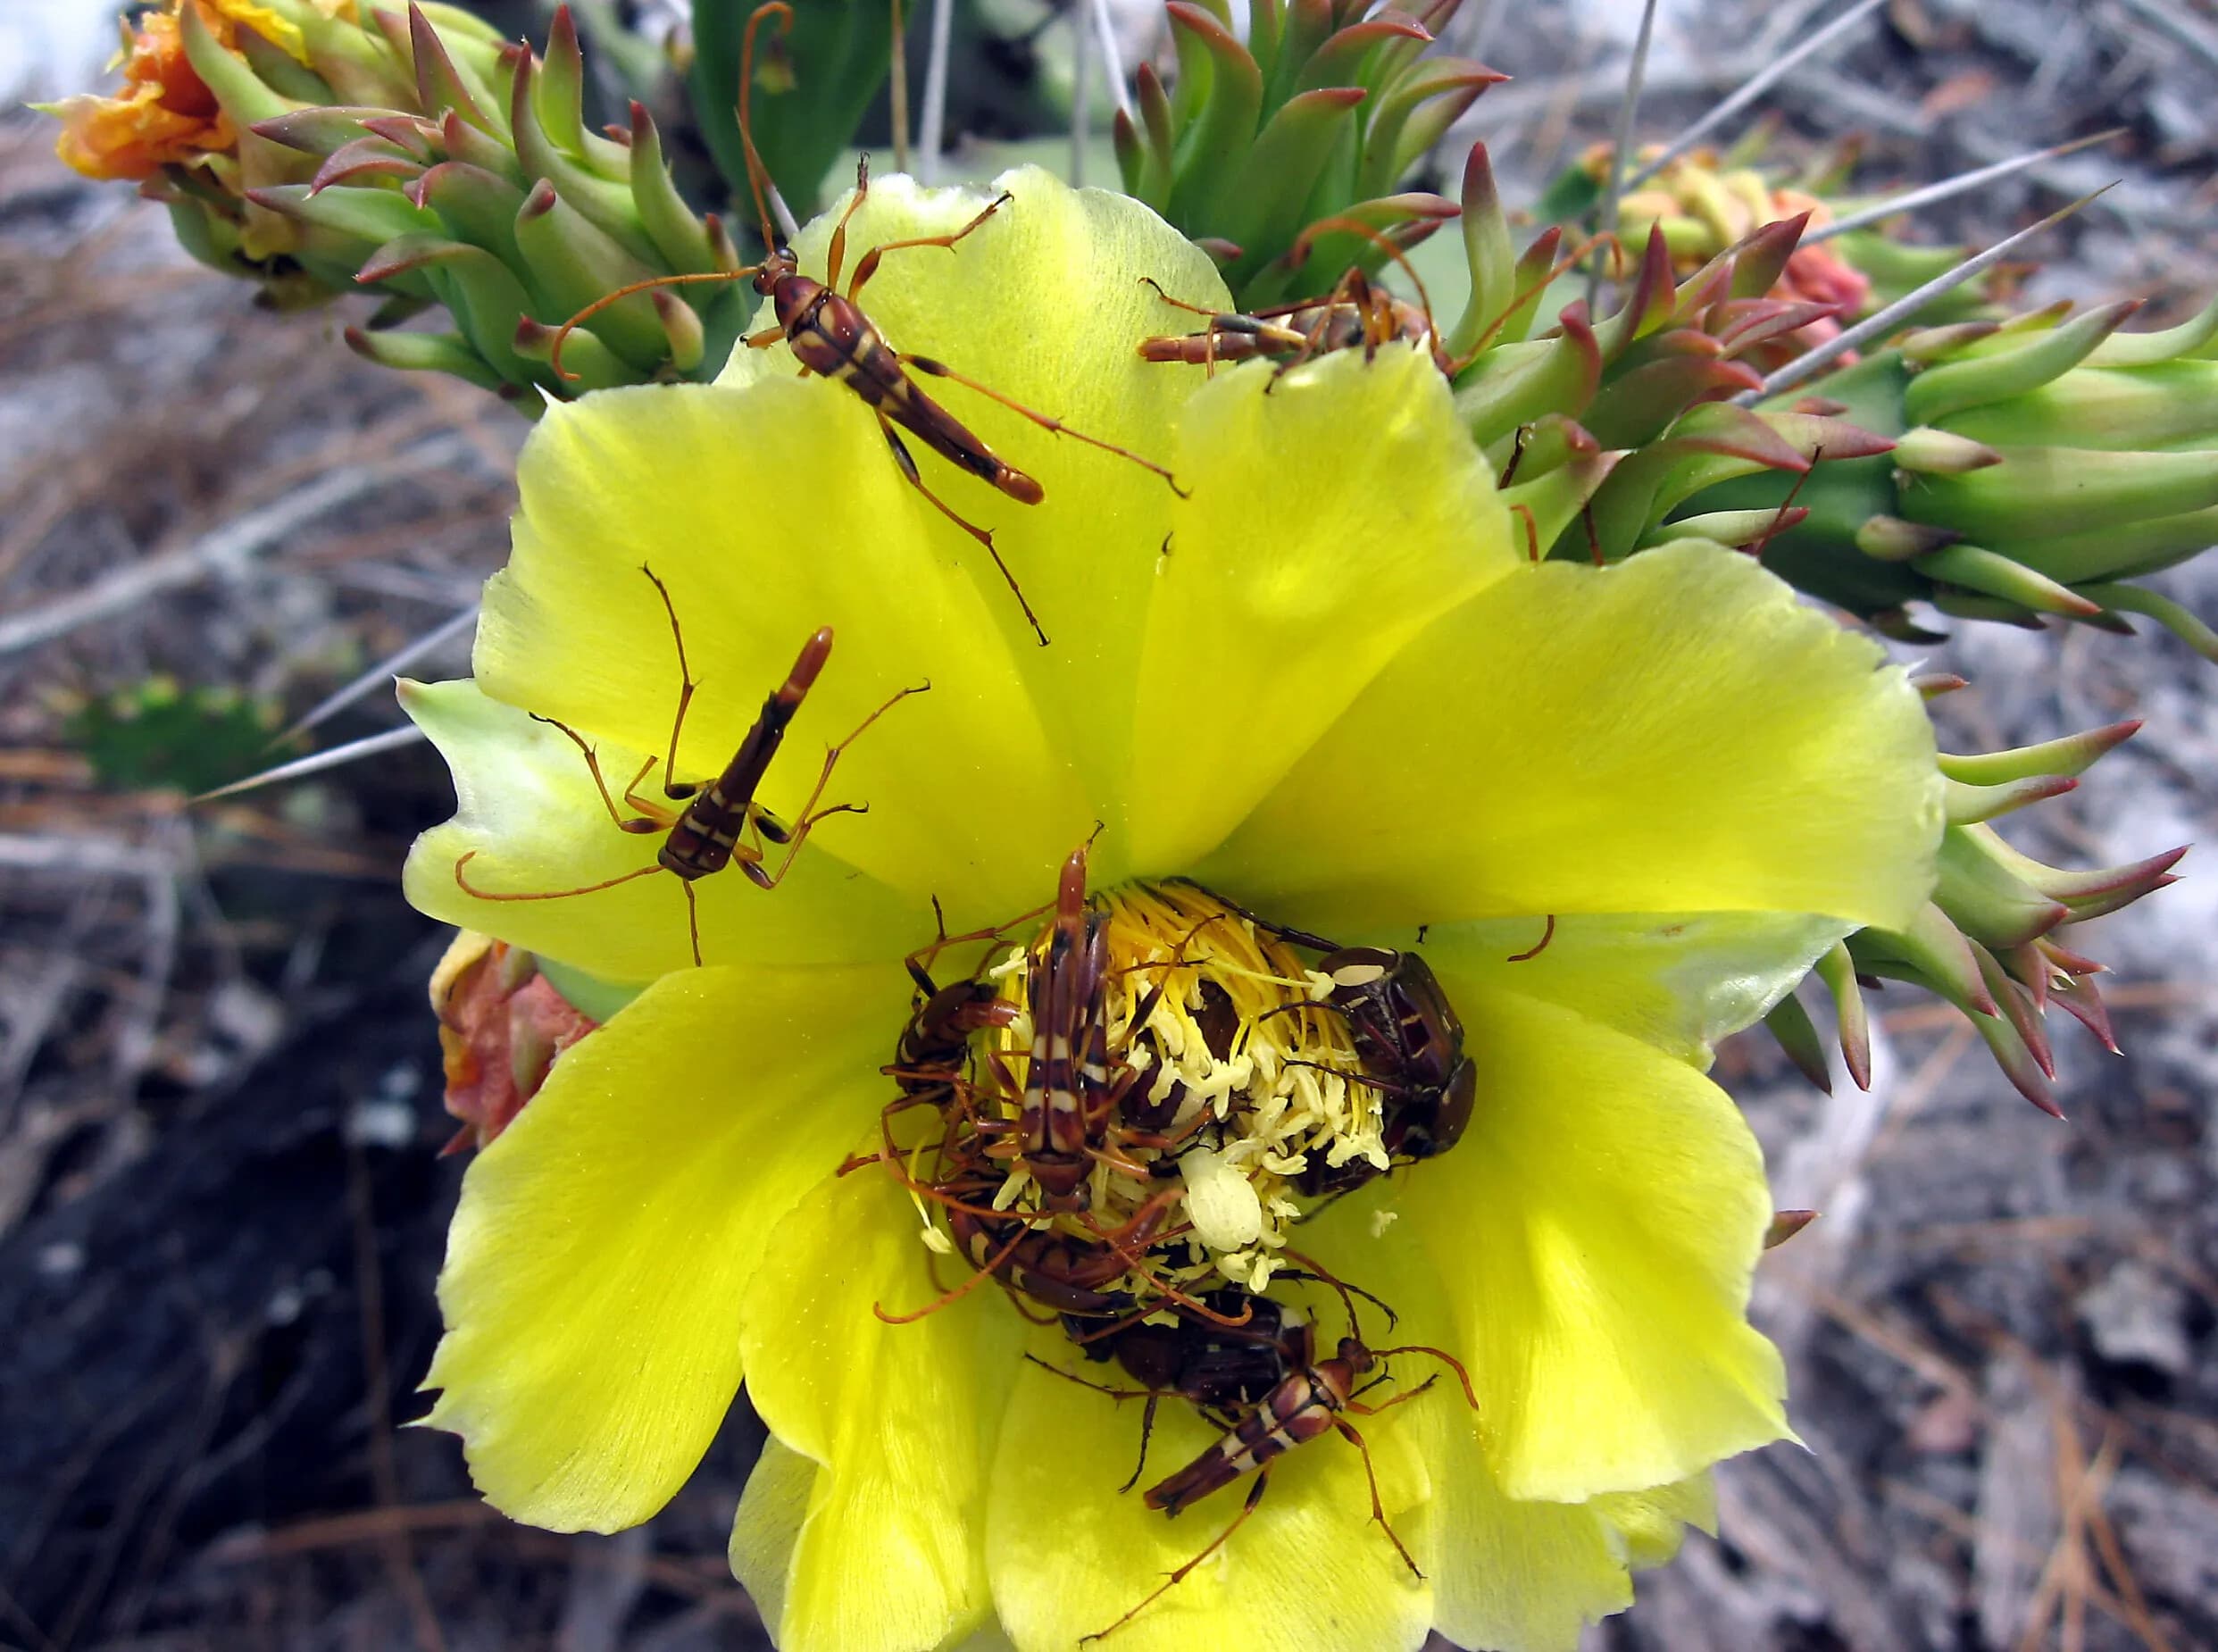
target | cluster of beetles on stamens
[{"x": 1248, "y": 1362}]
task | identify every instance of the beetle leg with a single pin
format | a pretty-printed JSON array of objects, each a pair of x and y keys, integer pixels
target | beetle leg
[
  {"x": 869, "y": 266},
  {"x": 671, "y": 788},
  {"x": 693, "y": 921},
  {"x": 1255, "y": 1496},
  {"x": 645, "y": 820},
  {"x": 810, "y": 814},
  {"x": 1378, "y": 1509},
  {"x": 1119, "y": 1395},
  {"x": 838, "y": 253},
  {"x": 1538, "y": 947},
  {"x": 947, "y": 1298},
  {"x": 1148, "y": 1427},
  {"x": 940, "y": 370},
  {"x": 1179, "y": 304},
  {"x": 984, "y": 536},
  {"x": 1402, "y": 1399}
]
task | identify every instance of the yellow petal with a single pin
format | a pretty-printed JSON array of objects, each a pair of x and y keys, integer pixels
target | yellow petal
[
  {"x": 1651, "y": 1525},
  {"x": 1675, "y": 734},
  {"x": 767, "y": 1529},
  {"x": 1045, "y": 303},
  {"x": 531, "y": 823},
  {"x": 769, "y": 512},
  {"x": 1507, "y": 1574},
  {"x": 899, "y": 1420},
  {"x": 1595, "y": 1232},
  {"x": 595, "y": 1269},
  {"x": 280, "y": 32},
  {"x": 1680, "y": 982},
  {"x": 1309, "y": 1569},
  {"x": 1335, "y": 513},
  {"x": 1516, "y": 1576}
]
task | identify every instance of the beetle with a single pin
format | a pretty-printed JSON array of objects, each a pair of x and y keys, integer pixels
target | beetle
[
  {"x": 1355, "y": 312},
  {"x": 1232, "y": 1358},
  {"x": 1074, "y": 1086},
  {"x": 1407, "y": 1037},
  {"x": 831, "y": 337},
  {"x": 1411, "y": 1043},
  {"x": 708, "y": 834},
  {"x": 1302, "y": 1399},
  {"x": 1063, "y": 1272}
]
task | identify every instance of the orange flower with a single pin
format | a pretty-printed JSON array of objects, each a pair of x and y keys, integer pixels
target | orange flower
[
  {"x": 164, "y": 112},
  {"x": 501, "y": 1025}
]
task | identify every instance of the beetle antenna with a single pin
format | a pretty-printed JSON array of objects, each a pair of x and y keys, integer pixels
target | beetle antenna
[
  {"x": 1445, "y": 1357},
  {"x": 758, "y": 175}
]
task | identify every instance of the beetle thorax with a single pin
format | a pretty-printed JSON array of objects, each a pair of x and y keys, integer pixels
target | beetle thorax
[{"x": 779, "y": 267}]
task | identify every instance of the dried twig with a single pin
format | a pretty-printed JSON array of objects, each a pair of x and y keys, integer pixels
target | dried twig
[
  {"x": 1762, "y": 82},
  {"x": 225, "y": 553}
]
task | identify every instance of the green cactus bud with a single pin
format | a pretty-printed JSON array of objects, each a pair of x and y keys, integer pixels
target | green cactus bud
[
  {"x": 2044, "y": 463},
  {"x": 419, "y": 158},
  {"x": 1317, "y": 116},
  {"x": 1995, "y": 942},
  {"x": 1631, "y": 405}
]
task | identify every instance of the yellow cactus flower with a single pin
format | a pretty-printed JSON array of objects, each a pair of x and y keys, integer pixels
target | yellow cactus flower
[{"x": 1321, "y": 679}]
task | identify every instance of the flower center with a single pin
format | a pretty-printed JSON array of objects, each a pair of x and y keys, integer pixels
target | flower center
[
  {"x": 1236, "y": 1079},
  {"x": 1140, "y": 1103}
]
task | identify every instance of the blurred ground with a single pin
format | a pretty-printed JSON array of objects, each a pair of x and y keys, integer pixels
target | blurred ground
[{"x": 220, "y": 1210}]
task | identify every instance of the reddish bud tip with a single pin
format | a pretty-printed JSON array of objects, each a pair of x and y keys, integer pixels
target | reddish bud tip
[{"x": 1785, "y": 1225}]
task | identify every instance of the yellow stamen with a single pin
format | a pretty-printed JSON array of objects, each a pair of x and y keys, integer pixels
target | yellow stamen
[{"x": 1240, "y": 1069}]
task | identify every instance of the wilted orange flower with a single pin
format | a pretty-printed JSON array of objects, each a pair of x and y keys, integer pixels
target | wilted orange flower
[
  {"x": 501, "y": 1025},
  {"x": 163, "y": 111}
]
